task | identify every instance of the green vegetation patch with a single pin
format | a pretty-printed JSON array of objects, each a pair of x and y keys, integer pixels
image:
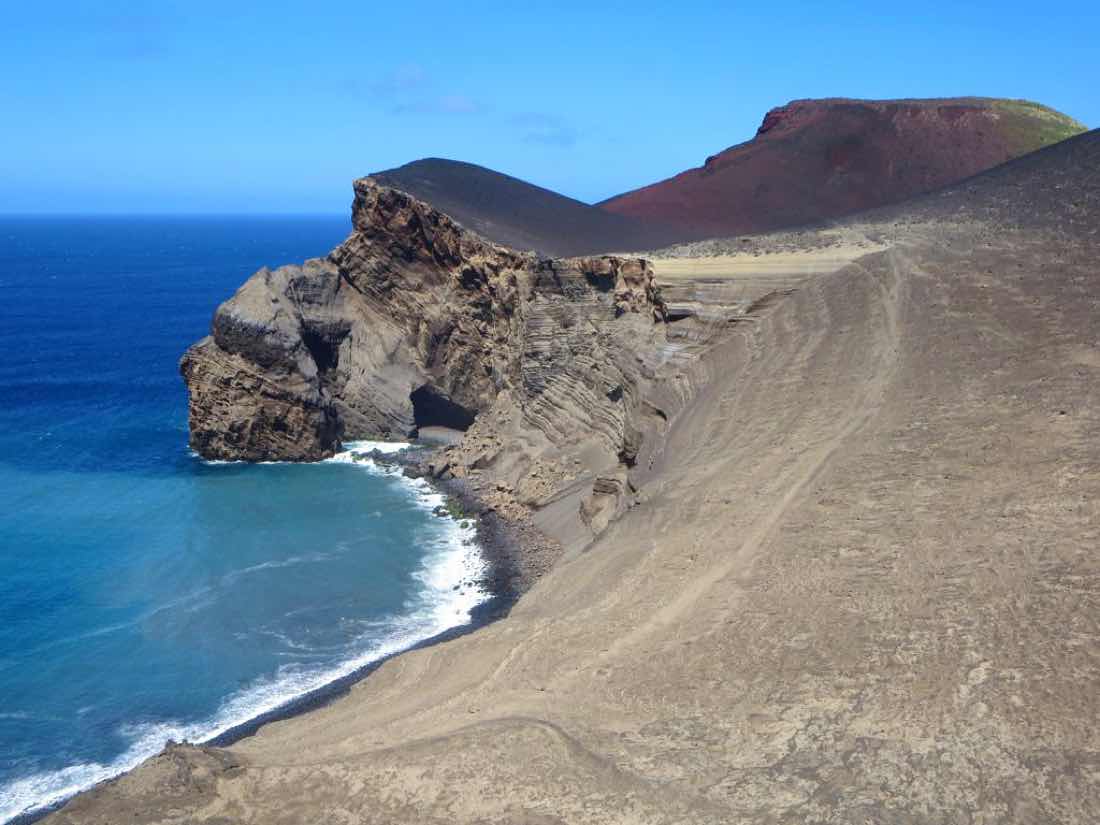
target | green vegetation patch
[
  {"x": 1029, "y": 126},
  {"x": 452, "y": 508}
]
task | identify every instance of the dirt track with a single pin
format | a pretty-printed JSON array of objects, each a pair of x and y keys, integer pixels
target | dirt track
[{"x": 862, "y": 585}]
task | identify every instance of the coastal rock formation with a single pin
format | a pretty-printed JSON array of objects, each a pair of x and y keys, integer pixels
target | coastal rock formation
[
  {"x": 812, "y": 160},
  {"x": 861, "y": 586},
  {"x": 416, "y": 322}
]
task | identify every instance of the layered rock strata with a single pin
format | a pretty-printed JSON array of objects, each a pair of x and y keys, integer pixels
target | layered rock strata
[{"x": 414, "y": 322}]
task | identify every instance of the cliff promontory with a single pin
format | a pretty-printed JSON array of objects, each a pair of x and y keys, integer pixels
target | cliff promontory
[
  {"x": 861, "y": 585},
  {"x": 414, "y": 322}
]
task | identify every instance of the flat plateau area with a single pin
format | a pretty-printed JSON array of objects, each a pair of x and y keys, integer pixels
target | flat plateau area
[
  {"x": 727, "y": 284},
  {"x": 779, "y": 265},
  {"x": 861, "y": 583}
]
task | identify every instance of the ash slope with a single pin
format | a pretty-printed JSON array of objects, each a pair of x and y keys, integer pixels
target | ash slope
[
  {"x": 860, "y": 584},
  {"x": 510, "y": 211},
  {"x": 813, "y": 160}
]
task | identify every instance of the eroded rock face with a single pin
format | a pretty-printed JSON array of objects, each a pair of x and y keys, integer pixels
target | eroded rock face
[
  {"x": 414, "y": 321},
  {"x": 256, "y": 385}
]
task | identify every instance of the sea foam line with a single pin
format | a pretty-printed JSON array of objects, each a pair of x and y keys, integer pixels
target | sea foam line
[{"x": 449, "y": 573}]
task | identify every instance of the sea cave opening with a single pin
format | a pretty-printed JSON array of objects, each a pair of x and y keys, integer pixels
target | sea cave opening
[
  {"x": 432, "y": 408},
  {"x": 325, "y": 353}
]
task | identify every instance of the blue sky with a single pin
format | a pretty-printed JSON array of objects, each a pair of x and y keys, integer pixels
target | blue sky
[{"x": 276, "y": 107}]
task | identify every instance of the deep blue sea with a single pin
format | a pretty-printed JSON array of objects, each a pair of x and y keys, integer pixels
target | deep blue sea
[{"x": 146, "y": 595}]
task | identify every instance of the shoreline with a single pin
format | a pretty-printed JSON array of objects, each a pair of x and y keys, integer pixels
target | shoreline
[{"x": 502, "y": 544}]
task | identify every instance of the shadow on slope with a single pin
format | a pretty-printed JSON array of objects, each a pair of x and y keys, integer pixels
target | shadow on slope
[{"x": 518, "y": 214}]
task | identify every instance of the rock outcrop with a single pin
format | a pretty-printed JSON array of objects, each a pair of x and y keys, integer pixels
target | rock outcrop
[
  {"x": 863, "y": 586},
  {"x": 413, "y": 321}
]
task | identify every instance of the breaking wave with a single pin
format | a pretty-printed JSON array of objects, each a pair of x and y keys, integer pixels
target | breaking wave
[{"x": 448, "y": 576}]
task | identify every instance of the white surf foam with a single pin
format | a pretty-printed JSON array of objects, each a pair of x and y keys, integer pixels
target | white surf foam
[
  {"x": 345, "y": 456},
  {"x": 450, "y": 572},
  {"x": 387, "y": 447}
]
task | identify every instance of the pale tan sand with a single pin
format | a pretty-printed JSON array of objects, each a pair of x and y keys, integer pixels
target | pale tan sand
[
  {"x": 439, "y": 435},
  {"x": 862, "y": 586},
  {"x": 766, "y": 266},
  {"x": 720, "y": 287}
]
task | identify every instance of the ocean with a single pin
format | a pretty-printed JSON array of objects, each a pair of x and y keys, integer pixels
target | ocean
[{"x": 147, "y": 595}]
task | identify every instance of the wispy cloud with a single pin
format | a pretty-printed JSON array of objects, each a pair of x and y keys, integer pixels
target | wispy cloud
[
  {"x": 411, "y": 90},
  {"x": 459, "y": 105},
  {"x": 438, "y": 105},
  {"x": 403, "y": 80},
  {"x": 544, "y": 128}
]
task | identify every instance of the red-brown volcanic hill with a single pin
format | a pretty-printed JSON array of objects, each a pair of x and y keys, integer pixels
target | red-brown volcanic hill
[{"x": 818, "y": 159}]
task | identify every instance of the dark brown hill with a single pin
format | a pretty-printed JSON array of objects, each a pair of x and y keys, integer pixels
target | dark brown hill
[
  {"x": 518, "y": 214},
  {"x": 812, "y": 160}
]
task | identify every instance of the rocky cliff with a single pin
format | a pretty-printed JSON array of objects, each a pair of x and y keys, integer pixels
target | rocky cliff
[
  {"x": 863, "y": 587},
  {"x": 414, "y": 321}
]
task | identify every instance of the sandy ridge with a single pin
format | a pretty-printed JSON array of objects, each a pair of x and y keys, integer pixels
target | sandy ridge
[{"x": 859, "y": 585}]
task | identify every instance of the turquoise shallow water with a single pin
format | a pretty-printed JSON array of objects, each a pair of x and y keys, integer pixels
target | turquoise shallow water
[{"x": 146, "y": 595}]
